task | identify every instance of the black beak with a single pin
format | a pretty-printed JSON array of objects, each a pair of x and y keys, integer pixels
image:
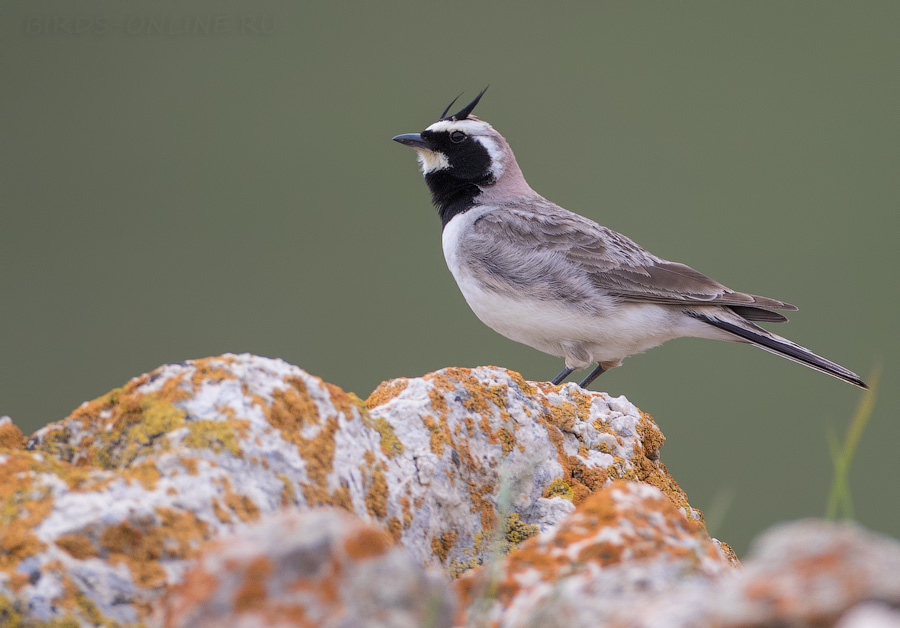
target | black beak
[{"x": 413, "y": 140}]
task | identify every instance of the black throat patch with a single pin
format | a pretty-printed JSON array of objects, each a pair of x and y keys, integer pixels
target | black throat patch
[{"x": 453, "y": 196}]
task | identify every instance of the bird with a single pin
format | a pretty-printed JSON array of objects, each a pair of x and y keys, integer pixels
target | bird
[{"x": 556, "y": 281}]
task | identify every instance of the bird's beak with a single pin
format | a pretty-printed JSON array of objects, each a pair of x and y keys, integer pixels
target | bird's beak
[{"x": 413, "y": 140}]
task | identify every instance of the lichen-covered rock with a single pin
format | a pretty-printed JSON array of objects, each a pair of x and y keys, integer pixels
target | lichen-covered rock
[
  {"x": 806, "y": 573},
  {"x": 518, "y": 455},
  {"x": 623, "y": 542},
  {"x": 321, "y": 568},
  {"x": 809, "y": 574},
  {"x": 103, "y": 510}
]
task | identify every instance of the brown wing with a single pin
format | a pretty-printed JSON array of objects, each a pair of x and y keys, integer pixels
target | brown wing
[{"x": 613, "y": 263}]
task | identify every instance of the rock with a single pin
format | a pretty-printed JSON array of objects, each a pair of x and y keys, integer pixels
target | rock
[
  {"x": 242, "y": 491},
  {"x": 625, "y": 542},
  {"x": 813, "y": 574},
  {"x": 320, "y": 567},
  {"x": 106, "y": 508},
  {"x": 517, "y": 455}
]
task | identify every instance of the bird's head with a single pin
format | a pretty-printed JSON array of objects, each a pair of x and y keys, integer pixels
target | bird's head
[{"x": 465, "y": 161}]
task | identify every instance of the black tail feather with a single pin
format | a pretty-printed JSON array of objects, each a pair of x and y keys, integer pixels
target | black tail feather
[{"x": 781, "y": 346}]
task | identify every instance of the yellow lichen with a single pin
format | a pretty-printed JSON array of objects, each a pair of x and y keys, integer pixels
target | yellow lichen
[
  {"x": 8, "y": 615},
  {"x": 217, "y": 436},
  {"x": 288, "y": 495},
  {"x": 517, "y": 530},
  {"x": 390, "y": 444},
  {"x": 558, "y": 488},
  {"x": 158, "y": 417}
]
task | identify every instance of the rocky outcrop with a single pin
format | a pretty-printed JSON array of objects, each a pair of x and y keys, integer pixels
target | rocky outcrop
[
  {"x": 241, "y": 490},
  {"x": 320, "y": 567}
]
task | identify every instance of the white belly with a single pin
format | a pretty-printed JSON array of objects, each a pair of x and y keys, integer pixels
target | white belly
[{"x": 607, "y": 334}]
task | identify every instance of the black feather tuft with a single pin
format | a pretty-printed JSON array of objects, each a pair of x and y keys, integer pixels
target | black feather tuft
[
  {"x": 444, "y": 115},
  {"x": 463, "y": 113}
]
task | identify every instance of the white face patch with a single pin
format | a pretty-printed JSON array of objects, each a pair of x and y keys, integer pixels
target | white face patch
[
  {"x": 494, "y": 152},
  {"x": 430, "y": 160}
]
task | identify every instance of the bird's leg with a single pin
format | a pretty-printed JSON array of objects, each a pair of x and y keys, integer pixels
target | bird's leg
[
  {"x": 563, "y": 374},
  {"x": 594, "y": 375}
]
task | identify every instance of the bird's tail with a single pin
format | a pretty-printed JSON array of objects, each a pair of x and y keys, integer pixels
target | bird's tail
[{"x": 773, "y": 343}]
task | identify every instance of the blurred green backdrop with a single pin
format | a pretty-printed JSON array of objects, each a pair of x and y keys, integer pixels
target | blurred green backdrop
[{"x": 182, "y": 179}]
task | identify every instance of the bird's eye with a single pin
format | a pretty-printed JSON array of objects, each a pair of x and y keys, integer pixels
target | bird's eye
[{"x": 457, "y": 136}]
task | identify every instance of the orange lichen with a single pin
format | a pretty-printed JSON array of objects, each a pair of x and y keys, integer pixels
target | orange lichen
[
  {"x": 394, "y": 528},
  {"x": 407, "y": 512},
  {"x": 146, "y": 473},
  {"x": 341, "y": 498},
  {"x": 197, "y": 588},
  {"x": 183, "y": 532},
  {"x": 209, "y": 370},
  {"x": 292, "y": 408},
  {"x": 17, "y": 542},
  {"x": 639, "y": 536},
  {"x": 507, "y": 440},
  {"x": 221, "y": 514},
  {"x": 190, "y": 464},
  {"x": 366, "y": 543},
  {"x": 142, "y": 544},
  {"x": 241, "y": 505},
  {"x": 442, "y": 545},
  {"x": 11, "y": 437},
  {"x": 23, "y": 505},
  {"x": 252, "y": 594},
  {"x": 385, "y": 392},
  {"x": 438, "y": 402},
  {"x": 140, "y": 549},
  {"x": 377, "y": 495},
  {"x": 439, "y": 437},
  {"x": 343, "y": 401},
  {"x": 77, "y": 545},
  {"x": 523, "y": 385},
  {"x": 483, "y": 503},
  {"x": 318, "y": 452},
  {"x": 651, "y": 437}
]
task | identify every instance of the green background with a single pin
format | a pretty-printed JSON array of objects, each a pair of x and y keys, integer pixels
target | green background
[{"x": 169, "y": 194}]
